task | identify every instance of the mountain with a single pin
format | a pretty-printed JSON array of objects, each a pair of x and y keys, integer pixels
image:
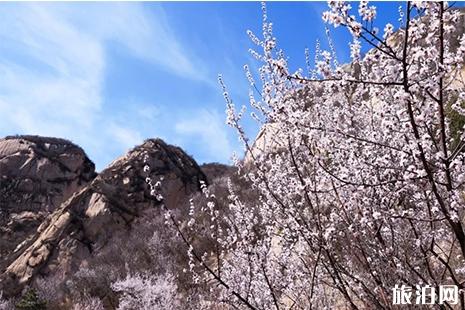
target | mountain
[
  {"x": 61, "y": 217},
  {"x": 37, "y": 174}
]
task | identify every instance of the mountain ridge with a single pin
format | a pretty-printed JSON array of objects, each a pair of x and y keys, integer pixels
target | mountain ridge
[{"x": 101, "y": 212}]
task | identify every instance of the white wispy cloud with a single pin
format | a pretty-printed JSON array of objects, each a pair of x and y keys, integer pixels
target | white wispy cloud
[
  {"x": 207, "y": 130},
  {"x": 53, "y": 79},
  {"x": 53, "y": 61},
  {"x": 127, "y": 137},
  {"x": 146, "y": 33}
]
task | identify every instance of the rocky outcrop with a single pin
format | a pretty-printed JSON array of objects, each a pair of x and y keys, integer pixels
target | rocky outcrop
[
  {"x": 103, "y": 211},
  {"x": 214, "y": 171},
  {"x": 270, "y": 138},
  {"x": 36, "y": 175}
]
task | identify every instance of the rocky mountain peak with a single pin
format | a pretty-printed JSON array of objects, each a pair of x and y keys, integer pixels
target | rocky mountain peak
[
  {"x": 37, "y": 174},
  {"x": 101, "y": 213}
]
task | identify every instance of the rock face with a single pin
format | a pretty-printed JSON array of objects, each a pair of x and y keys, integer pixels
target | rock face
[
  {"x": 270, "y": 138},
  {"x": 103, "y": 210},
  {"x": 36, "y": 175}
]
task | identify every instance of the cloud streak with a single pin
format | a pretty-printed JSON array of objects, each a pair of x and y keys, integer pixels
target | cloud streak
[{"x": 207, "y": 130}]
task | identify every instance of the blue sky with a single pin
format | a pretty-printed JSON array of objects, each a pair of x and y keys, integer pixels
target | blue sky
[{"x": 109, "y": 75}]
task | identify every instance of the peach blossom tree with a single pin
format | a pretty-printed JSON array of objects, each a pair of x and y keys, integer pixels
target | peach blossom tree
[{"x": 364, "y": 188}]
